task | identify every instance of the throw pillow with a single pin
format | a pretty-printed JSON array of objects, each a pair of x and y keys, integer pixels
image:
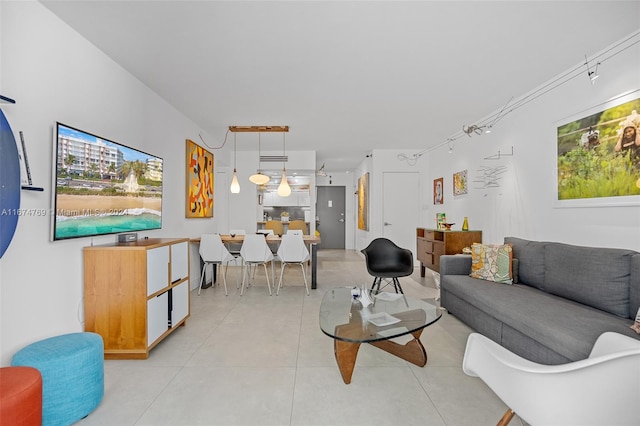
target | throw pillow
[
  {"x": 492, "y": 262},
  {"x": 636, "y": 325}
]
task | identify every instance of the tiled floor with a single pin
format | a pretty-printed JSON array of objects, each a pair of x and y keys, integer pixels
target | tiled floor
[{"x": 261, "y": 360}]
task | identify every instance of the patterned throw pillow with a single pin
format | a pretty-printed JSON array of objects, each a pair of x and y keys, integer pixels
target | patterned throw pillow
[{"x": 492, "y": 262}]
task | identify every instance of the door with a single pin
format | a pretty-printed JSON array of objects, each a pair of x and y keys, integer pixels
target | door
[
  {"x": 330, "y": 211},
  {"x": 401, "y": 208}
]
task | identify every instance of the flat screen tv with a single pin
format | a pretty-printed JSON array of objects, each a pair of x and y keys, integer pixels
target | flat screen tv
[{"x": 102, "y": 187}]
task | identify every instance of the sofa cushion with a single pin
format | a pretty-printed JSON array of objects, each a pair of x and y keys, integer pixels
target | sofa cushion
[
  {"x": 491, "y": 262},
  {"x": 595, "y": 276},
  {"x": 565, "y": 327},
  {"x": 530, "y": 256},
  {"x": 634, "y": 293}
]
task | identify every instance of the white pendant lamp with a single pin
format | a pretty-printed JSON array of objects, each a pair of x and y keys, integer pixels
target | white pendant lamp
[
  {"x": 284, "y": 190},
  {"x": 259, "y": 178},
  {"x": 235, "y": 185}
]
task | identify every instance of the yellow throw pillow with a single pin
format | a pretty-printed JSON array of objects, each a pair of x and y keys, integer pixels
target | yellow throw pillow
[{"x": 492, "y": 262}]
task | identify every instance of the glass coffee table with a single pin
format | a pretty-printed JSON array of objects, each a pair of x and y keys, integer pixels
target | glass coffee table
[{"x": 390, "y": 316}]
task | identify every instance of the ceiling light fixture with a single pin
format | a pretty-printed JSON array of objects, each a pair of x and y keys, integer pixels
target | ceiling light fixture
[
  {"x": 284, "y": 190},
  {"x": 259, "y": 178},
  {"x": 473, "y": 129},
  {"x": 258, "y": 129},
  {"x": 235, "y": 185}
]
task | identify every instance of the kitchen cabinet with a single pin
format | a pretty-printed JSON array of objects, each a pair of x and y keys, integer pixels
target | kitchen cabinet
[{"x": 297, "y": 198}]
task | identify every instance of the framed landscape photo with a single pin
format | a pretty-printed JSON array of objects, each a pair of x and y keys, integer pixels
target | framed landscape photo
[
  {"x": 199, "y": 177},
  {"x": 598, "y": 155}
]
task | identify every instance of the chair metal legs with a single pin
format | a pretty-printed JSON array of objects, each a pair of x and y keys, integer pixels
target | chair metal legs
[
  {"x": 224, "y": 275},
  {"x": 252, "y": 275},
  {"x": 304, "y": 275},
  {"x": 394, "y": 281},
  {"x": 204, "y": 269}
]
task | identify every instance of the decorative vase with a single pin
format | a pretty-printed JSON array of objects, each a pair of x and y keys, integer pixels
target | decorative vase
[{"x": 465, "y": 224}]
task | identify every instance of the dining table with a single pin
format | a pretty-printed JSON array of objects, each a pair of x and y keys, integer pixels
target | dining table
[{"x": 274, "y": 240}]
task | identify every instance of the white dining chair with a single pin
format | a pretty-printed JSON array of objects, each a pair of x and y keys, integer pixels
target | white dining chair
[
  {"x": 293, "y": 251},
  {"x": 234, "y": 248},
  {"x": 600, "y": 390},
  {"x": 213, "y": 252},
  {"x": 255, "y": 252}
]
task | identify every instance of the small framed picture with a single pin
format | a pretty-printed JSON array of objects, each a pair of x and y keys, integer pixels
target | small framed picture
[{"x": 438, "y": 191}]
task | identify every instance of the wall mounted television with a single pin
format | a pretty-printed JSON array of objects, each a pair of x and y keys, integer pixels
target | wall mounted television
[{"x": 102, "y": 187}]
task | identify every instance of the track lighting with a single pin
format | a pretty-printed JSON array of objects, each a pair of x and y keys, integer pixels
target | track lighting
[
  {"x": 473, "y": 129},
  {"x": 593, "y": 75}
]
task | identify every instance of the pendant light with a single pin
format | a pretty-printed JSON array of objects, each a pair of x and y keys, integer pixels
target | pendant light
[
  {"x": 235, "y": 185},
  {"x": 284, "y": 190},
  {"x": 259, "y": 178}
]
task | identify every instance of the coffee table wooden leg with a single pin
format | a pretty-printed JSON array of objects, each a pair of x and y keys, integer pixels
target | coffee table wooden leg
[
  {"x": 346, "y": 353},
  {"x": 412, "y": 351}
]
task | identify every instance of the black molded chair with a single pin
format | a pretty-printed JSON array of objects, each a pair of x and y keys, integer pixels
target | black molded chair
[{"x": 386, "y": 261}]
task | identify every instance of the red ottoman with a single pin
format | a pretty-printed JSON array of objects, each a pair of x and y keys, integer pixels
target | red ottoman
[{"x": 20, "y": 396}]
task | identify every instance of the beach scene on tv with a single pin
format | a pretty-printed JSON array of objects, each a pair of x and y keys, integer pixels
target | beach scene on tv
[{"x": 103, "y": 187}]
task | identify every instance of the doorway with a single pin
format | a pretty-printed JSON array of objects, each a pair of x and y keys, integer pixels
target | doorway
[
  {"x": 330, "y": 207},
  {"x": 401, "y": 208}
]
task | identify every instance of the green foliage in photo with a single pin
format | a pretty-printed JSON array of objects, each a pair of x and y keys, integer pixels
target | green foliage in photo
[{"x": 595, "y": 169}]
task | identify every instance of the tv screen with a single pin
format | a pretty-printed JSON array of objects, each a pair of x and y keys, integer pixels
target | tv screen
[{"x": 103, "y": 187}]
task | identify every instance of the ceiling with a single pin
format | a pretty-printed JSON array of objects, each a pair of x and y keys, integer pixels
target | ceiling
[{"x": 347, "y": 77}]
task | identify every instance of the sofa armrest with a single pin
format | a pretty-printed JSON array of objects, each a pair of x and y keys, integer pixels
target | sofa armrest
[{"x": 455, "y": 264}]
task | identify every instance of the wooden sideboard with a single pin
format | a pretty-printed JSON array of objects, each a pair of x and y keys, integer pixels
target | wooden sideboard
[
  {"x": 433, "y": 243},
  {"x": 136, "y": 294}
]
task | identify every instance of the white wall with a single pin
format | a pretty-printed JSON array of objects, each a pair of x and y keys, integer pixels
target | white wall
[
  {"x": 524, "y": 205},
  {"x": 56, "y": 75},
  {"x": 380, "y": 162}
]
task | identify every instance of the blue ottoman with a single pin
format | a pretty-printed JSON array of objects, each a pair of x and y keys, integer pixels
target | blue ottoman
[{"x": 72, "y": 368}]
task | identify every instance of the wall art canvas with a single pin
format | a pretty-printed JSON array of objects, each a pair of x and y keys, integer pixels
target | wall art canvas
[
  {"x": 363, "y": 202},
  {"x": 199, "y": 171},
  {"x": 598, "y": 155},
  {"x": 460, "y": 183},
  {"x": 438, "y": 191}
]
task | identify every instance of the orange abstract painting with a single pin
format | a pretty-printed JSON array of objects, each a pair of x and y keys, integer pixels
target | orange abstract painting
[{"x": 199, "y": 181}]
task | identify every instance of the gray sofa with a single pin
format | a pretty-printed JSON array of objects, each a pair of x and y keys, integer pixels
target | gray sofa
[{"x": 564, "y": 298}]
